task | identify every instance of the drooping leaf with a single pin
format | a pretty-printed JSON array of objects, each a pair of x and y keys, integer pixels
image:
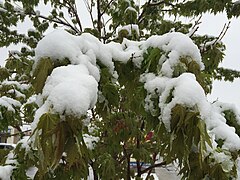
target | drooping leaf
[{"x": 41, "y": 72}]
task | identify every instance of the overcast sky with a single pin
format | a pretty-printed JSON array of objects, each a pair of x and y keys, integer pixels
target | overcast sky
[
  {"x": 211, "y": 25},
  {"x": 225, "y": 91}
]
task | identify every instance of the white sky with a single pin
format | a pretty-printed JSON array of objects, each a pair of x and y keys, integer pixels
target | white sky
[
  {"x": 225, "y": 91},
  {"x": 211, "y": 25}
]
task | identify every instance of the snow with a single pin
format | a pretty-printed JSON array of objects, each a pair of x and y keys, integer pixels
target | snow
[
  {"x": 3, "y": 10},
  {"x": 216, "y": 124},
  {"x": 11, "y": 162},
  {"x": 31, "y": 172},
  {"x": 42, "y": 110},
  {"x": 71, "y": 90},
  {"x": 131, "y": 9},
  {"x": 224, "y": 160},
  {"x": 10, "y": 159},
  {"x": 90, "y": 141},
  {"x": 17, "y": 84},
  {"x": 16, "y": 93},
  {"x": 130, "y": 28},
  {"x": 236, "y": 2},
  {"x": 5, "y": 172},
  {"x": 31, "y": 99},
  {"x": 177, "y": 45},
  {"x": 87, "y": 49},
  {"x": 25, "y": 143},
  {"x": 59, "y": 45},
  {"x": 227, "y": 106},
  {"x": 9, "y": 103},
  {"x": 186, "y": 91}
]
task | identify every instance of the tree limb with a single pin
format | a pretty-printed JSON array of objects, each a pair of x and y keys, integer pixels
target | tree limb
[
  {"x": 153, "y": 166},
  {"x": 73, "y": 9},
  {"x": 90, "y": 9},
  {"x": 99, "y": 17},
  {"x": 195, "y": 27},
  {"x": 143, "y": 11},
  {"x": 107, "y": 7}
]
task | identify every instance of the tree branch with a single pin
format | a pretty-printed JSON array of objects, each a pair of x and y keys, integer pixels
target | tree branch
[
  {"x": 16, "y": 134},
  {"x": 143, "y": 11},
  {"x": 218, "y": 39},
  {"x": 99, "y": 18},
  {"x": 195, "y": 27},
  {"x": 107, "y": 7},
  {"x": 154, "y": 160},
  {"x": 149, "y": 4},
  {"x": 153, "y": 166},
  {"x": 58, "y": 20},
  {"x": 126, "y": 155},
  {"x": 95, "y": 176},
  {"x": 73, "y": 9},
  {"x": 224, "y": 31},
  {"x": 90, "y": 8}
]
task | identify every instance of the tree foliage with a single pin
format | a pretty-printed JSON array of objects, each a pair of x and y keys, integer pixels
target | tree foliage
[{"x": 120, "y": 122}]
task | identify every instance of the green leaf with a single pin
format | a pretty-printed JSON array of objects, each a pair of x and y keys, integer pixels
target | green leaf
[
  {"x": 4, "y": 74},
  {"x": 151, "y": 60},
  {"x": 41, "y": 72},
  {"x": 110, "y": 92},
  {"x": 47, "y": 125}
]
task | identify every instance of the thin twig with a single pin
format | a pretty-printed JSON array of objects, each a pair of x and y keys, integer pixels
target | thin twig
[
  {"x": 143, "y": 11},
  {"x": 90, "y": 10},
  {"x": 153, "y": 166},
  {"x": 196, "y": 26},
  {"x": 73, "y": 9},
  {"x": 107, "y": 6},
  {"x": 99, "y": 18},
  {"x": 218, "y": 39},
  {"x": 16, "y": 134}
]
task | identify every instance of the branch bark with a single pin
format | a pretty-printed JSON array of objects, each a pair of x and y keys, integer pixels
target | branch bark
[
  {"x": 19, "y": 133},
  {"x": 149, "y": 4},
  {"x": 126, "y": 155},
  {"x": 99, "y": 15},
  {"x": 58, "y": 21},
  {"x": 73, "y": 9},
  {"x": 104, "y": 11},
  {"x": 153, "y": 166},
  {"x": 90, "y": 10}
]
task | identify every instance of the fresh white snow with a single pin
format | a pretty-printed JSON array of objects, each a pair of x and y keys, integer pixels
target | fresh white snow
[
  {"x": 5, "y": 172},
  {"x": 9, "y": 103}
]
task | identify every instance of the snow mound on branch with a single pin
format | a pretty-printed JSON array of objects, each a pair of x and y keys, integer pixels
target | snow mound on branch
[
  {"x": 185, "y": 90},
  {"x": 90, "y": 141},
  {"x": 130, "y": 29},
  {"x": 69, "y": 90},
  {"x": 177, "y": 45},
  {"x": 17, "y": 84},
  {"x": 9, "y": 103},
  {"x": 84, "y": 49},
  {"x": 6, "y": 172},
  {"x": 87, "y": 49}
]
